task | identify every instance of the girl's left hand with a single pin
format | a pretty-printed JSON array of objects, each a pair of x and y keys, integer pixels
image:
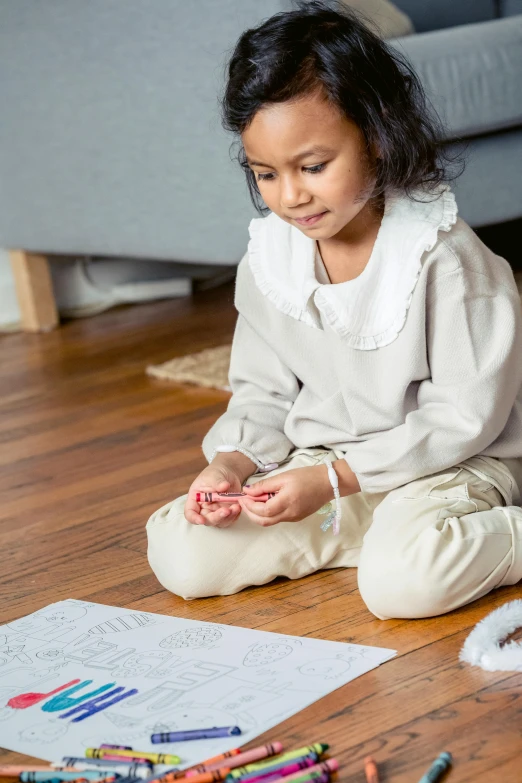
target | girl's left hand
[{"x": 300, "y": 492}]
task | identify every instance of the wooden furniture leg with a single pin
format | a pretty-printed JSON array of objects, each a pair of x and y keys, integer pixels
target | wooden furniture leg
[{"x": 34, "y": 290}]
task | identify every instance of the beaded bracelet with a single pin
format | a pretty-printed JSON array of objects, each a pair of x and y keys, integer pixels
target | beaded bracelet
[{"x": 335, "y": 517}]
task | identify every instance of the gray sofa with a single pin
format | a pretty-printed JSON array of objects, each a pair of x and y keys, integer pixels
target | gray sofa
[{"x": 110, "y": 136}]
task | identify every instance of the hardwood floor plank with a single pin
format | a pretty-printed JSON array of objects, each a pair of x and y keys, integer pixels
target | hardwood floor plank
[
  {"x": 63, "y": 578},
  {"x": 470, "y": 727}
]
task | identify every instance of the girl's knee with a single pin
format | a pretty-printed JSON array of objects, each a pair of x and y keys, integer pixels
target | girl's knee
[
  {"x": 172, "y": 552},
  {"x": 391, "y": 591},
  {"x": 199, "y": 561},
  {"x": 421, "y": 560},
  {"x": 399, "y": 576}
]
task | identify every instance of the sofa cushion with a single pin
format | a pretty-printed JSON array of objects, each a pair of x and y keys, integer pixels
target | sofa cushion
[
  {"x": 436, "y": 14},
  {"x": 472, "y": 74},
  {"x": 387, "y": 18},
  {"x": 511, "y": 7}
]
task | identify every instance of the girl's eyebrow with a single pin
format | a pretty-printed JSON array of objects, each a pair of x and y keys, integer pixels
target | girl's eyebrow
[{"x": 317, "y": 149}]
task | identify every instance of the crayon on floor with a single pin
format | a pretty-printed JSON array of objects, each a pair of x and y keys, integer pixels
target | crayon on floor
[
  {"x": 134, "y": 755},
  {"x": 207, "y": 777},
  {"x": 323, "y": 777},
  {"x": 56, "y": 777},
  {"x": 318, "y": 747},
  {"x": 140, "y": 770},
  {"x": 13, "y": 770},
  {"x": 313, "y": 773},
  {"x": 437, "y": 769},
  {"x": 370, "y": 770},
  {"x": 195, "y": 734},
  {"x": 213, "y": 762},
  {"x": 38, "y": 777},
  {"x": 165, "y": 776},
  {"x": 240, "y": 759},
  {"x": 51, "y": 779},
  {"x": 115, "y": 755},
  {"x": 280, "y": 769}
]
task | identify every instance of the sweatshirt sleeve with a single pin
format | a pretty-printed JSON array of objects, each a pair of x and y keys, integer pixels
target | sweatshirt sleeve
[
  {"x": 474, "y": 345},
  {"x": 263, "y": 391}
]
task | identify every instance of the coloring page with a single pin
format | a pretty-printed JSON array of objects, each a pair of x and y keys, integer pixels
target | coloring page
[{"x": 76, "y": 675}]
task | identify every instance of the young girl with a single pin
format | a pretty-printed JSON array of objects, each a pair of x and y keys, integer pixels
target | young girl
[{"x": 378, "y": 345}]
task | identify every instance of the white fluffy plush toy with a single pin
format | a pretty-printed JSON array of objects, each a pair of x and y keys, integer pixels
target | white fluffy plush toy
[{"x": 482, "y": 647}]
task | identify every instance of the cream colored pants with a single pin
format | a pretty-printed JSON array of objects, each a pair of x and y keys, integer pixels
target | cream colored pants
[{"x": 422, "y": 549}]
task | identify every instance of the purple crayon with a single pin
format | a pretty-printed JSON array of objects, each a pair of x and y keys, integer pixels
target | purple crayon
[
  {"x": 288, "y": 767},
  {"x": 195, "y": 734}
]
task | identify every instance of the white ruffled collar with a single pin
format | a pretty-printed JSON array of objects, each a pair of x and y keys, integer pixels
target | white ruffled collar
[{"x": 370, "y": 310}]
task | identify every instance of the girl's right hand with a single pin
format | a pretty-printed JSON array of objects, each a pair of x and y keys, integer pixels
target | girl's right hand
[{"x": 214, "y": 478}]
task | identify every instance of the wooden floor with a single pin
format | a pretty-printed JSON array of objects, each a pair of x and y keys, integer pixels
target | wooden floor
[{"x": 90, "y": 446}]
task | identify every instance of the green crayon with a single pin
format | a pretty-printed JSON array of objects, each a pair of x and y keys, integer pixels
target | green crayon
[{"x": 317, "y": 747}]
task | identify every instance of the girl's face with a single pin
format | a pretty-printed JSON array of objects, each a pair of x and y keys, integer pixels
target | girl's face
[{"x": 334, "y": 178}]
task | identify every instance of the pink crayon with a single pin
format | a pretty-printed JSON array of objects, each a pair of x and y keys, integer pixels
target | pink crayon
[
  {"x": 230, "y": 497},
  {"x": 316, "y": 772}
]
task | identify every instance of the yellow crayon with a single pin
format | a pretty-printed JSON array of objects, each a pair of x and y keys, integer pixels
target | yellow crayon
[
  {"x": 317, "y": 747},
  {"x": 133, "y": 755}
]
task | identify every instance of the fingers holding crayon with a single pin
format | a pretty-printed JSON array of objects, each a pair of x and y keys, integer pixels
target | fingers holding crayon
[{"x": 213, "y": 514}]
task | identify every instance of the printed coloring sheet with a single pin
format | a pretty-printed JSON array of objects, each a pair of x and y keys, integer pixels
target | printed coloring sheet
[{"x": 76, "y": 674}]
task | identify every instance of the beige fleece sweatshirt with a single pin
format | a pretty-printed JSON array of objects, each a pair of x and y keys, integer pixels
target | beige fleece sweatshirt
[{"x": 410, "y": 368}]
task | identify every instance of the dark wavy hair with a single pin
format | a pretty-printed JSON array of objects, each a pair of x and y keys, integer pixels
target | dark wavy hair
[{"x": 323, "y": 44}]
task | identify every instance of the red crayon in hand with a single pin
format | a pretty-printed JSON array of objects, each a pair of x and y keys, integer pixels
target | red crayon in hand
[{"x": 230, "y": 497}]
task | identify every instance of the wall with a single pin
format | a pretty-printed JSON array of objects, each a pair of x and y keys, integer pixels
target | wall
[{"x": 9, "y": 312}]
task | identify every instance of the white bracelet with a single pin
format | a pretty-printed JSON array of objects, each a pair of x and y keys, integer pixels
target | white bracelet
[{"x": 334, "y": 481}]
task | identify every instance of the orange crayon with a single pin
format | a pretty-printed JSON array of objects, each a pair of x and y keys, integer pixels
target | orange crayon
[
  {"x": 202, "y": 777},
  {"x": 370, "y": 769},
  {"x": 248, "y": 756},
  {"x": 222, "y": 756}
]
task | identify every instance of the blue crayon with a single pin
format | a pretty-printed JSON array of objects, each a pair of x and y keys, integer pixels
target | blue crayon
[
  {"x": 195, "y": 734},
  {"x": 134, "y": 768},
  {"x": 130, "y": 779},
  {"x": 437, "y": 769}
]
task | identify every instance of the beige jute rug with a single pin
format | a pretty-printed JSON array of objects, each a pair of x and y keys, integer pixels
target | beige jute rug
[{"x": 206, "y": 368}]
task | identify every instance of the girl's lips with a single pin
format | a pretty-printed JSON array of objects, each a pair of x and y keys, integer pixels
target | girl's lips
[{"x": 311, "y": 220}]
